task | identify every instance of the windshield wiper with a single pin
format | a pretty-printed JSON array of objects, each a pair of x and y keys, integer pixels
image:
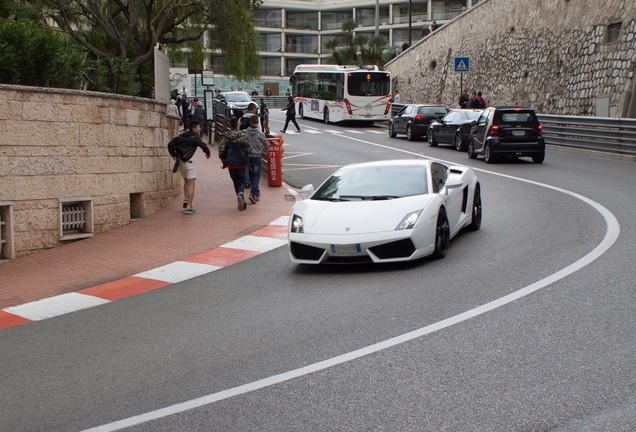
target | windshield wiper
[
  {"x": 383, "y": 197},
  {"x": 326, "y": 198}
]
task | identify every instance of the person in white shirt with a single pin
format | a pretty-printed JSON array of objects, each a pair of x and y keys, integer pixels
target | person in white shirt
[
  {"x": 396, "y": 98},
  {"x": 184, "y": 91}
]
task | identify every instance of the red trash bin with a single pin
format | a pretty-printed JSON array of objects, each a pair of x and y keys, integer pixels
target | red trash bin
[{"x": 274, "y": 161}]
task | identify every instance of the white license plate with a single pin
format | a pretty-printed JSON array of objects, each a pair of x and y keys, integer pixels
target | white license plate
[
  {"x": 518, "y": 133},
  {"x": 352, "y": 248}
]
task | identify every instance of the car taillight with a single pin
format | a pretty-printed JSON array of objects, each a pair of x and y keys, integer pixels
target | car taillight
[
  {"x": 348, "y": 105},
  {"x": 494, "y": 131},
  {"x": 540, "y": 130},
  {"x": 419, "y": 117},
  {"x": 388, "y": 108}
]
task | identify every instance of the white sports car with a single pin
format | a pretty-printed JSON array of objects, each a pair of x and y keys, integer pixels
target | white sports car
[{"x": 385, "y": 211}]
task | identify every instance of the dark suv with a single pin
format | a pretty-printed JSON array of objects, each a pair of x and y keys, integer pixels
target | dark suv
[
  {"x": 510, "y": 132},
  {"x": 413, "y": 120}
]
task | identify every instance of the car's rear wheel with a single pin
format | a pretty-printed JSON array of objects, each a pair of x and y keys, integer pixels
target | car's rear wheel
[
  {"x": 538, "y": 158},
  {"x": 301, "y": 112},
  {"x": 409, "y": 133},
  {"x": 392, "y": 133},
  {"x": 475, "y": 222},
  {"x": 431, "y": 138},
  {"x": 488, "y": 156},
  {"x": 325, "y": 116},
  {"x": 442, "y": 235},
  {"x": 471, "y": 148},
  {"x": 459, "y": 145}
]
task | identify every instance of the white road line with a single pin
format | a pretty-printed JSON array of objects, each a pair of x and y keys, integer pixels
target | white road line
[
  {"x": 55, "y": 306},
  {"x": 354, "y": 131},
  {"x": 611, "y": 235},
  {"x": 178, "y": 271},
  {"x": 255, "y": 243},
  {"x": 333, "y": 131},
  {"x": 311, "y": 131},
  {"x": 376, "y": 131}
]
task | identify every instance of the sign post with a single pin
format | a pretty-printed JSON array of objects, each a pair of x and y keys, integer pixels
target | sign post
[{"x": 462, "y": 65}]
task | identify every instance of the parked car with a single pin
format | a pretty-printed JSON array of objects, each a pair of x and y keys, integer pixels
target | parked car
[
  {"x": 385, "y": 211},
  {"x": 510, "y": 132},
  {"x": 413, "y": 120},
  {"x": 237, "y": 101},
  {"x": 454, "y": 128}
]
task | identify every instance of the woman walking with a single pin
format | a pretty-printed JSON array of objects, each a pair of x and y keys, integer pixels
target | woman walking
[{"x": 291, "y": 114}]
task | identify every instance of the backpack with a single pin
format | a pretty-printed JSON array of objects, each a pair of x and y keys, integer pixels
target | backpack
[{"x": 234, "y": 153}]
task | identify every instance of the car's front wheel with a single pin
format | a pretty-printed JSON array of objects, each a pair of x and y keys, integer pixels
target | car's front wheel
[
  {"x": 475, "y": 222},
  {"x": 392, "y": 133},
  {"x": 409, "y": 133},
  {"x": 459, "y": 145},
  {"x": 488, "y": 156},
  {"x": 471, "y": 148},
  {"x": 442, "y": 235},
  {"x": 431, "y": 138}
]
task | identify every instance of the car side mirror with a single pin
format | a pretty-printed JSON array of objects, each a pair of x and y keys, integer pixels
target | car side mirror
[
  {"x": 307, "y": 190},
  {"x": 473, "y": 122}
]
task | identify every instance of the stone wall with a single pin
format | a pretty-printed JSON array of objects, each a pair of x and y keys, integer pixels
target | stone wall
[
  {"x": 553, "y": 55},
  {"x": 60, "y": 145}
]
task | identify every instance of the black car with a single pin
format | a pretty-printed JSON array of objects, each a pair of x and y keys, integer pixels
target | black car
[
  {"x": 509, "y": 132},
  {"x": 413, "y": 120},
  {"x": 454, "y": 128}
]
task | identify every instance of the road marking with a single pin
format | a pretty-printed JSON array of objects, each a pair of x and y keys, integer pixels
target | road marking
[
  {"x": 611, "y": 235},
  {"x": 311, "y": 131},
  {"x": 55, "y": 306}
]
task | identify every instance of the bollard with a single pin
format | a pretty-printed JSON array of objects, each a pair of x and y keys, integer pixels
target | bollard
[{"x": 274, "y": 161}]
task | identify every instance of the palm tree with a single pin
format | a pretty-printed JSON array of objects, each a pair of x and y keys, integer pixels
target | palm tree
[
  {"x": 333, "y": 45},
  {"x": 348, "y": 27}
]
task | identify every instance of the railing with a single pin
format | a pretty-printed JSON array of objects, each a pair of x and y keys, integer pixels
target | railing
[{"x": 593, "y": 133}]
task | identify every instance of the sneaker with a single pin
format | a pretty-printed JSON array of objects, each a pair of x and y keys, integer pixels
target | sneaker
[
  {"x": 241, "y": 202},
  {"x": 298, "y": 131},
  {"x": 191, "y": 210},
  {"x": 253, "y": 198},
  {"x": 257, "y": 196},
  {"x": 185, "y": 203},
  {"x": 282, "y": 131},
  {"x": 248, "y": 185}
]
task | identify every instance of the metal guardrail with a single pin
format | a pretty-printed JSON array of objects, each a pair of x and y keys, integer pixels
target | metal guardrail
[{"x": 593, "y": 133}]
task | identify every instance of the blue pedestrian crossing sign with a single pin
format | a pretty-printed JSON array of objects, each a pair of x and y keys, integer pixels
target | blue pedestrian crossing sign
[{"x": 462, "y": 64}]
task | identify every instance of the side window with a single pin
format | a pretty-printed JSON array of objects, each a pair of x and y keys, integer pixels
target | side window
[
  {"x": 439, "y": 175},
  {"x": 451, "y": 117},
  {"x": 483, "y": 118}
]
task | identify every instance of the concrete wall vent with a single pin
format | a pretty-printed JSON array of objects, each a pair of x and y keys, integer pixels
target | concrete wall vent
[
  {"x": 7, "y": 245},
  {"x": 76, "y": 218},
  {"x": 613, "y": 32}
]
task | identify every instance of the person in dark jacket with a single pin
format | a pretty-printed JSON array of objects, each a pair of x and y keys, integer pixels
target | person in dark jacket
[
  {"x": 234, "y": 153},
  {"x": 182, "y": 149},
  {"x": 291, "y": 115},
  {"x": 199, "y": 115}
]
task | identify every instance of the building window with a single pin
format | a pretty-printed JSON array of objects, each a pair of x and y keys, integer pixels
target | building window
[
  {"x": 270, "y": 66},
  {"x": 218, "y": 64},
  {"x": 419, "y": 12},
  {"x": 399, "y": 36},
  {"x": 334, "y": 20},
  {"x": 447, "y": 9},
  {"x": 270, "y": 42},
  {"x": 366, "y": 17},
  {"x": 290, "y": 65},
  {"x": 301, "y": 44},
  {"x": 272, "y": 18},
  {"x": 302, "y": 20}
]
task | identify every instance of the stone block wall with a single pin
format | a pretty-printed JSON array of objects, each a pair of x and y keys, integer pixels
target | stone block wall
[
  {"x": 59, "y": 145},
  {"x": 556, "y": 56}
]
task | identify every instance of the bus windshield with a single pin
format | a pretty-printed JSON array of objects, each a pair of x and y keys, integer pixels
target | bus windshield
[{"x": 366, "y": 83}]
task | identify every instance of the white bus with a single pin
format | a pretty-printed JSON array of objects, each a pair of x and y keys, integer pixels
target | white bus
[{"x": 335, "y": 93}]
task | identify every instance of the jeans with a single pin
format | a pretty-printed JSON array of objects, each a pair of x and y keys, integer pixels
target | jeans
[
  {"x": 255, "y": 165},
  {"x": 238, "y": 178}
]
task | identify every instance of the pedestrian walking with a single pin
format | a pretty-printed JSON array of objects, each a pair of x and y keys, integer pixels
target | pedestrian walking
[
  {"x": 258, "y": 143},
  {"x": 234, "y": 153},
  {"x": 291, "y": 114},
  {"x": 182, "y": 149}
]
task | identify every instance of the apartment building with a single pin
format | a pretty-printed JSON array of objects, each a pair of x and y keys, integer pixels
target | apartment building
[{"x": 293, "y": 32}]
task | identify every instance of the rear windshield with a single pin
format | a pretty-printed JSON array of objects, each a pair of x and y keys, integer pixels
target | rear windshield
[
  {"x": 518, "y": 117},
  {"x": 369, "y": 83},
  {"x": 432, "y": 110}
]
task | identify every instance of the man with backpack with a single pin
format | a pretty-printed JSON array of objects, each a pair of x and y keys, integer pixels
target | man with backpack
[{"x": 182, "y": 149}]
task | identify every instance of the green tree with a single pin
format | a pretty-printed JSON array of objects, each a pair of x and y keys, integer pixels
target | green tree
[{"x": 122, "y": 34}]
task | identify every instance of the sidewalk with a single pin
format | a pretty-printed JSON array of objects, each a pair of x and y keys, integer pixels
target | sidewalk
[{"x": 166, "y": 237}]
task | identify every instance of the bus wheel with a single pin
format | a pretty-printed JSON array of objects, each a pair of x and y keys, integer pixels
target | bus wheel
[
  {"x": 326, "y": 116},
  {"x": 301, "y": 113}
]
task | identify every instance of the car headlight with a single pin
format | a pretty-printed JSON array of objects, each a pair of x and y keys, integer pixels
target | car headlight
[
  {"x": 297, "y": 224},
  {"x": 409, "y": 220}
]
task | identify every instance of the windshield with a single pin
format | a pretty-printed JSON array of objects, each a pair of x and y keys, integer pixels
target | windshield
[
  {"x": 373, "y": 183},
  {"x": 237, "y": 97},
  {"x": 367, "y": 83}
]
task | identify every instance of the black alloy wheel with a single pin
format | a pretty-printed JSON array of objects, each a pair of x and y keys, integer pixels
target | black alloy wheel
[
  {"x": 431, "y": 138},
  {"x": 475, "y": 222},
  {"x": 392, "y": 133},
  {"x": 488, "y": 156},
  {"x": 409, "y": 133},
  {"x": 459, "y": 145},
  {"x": 442, "y": 235},
  {"x": 471, "y": 148}
]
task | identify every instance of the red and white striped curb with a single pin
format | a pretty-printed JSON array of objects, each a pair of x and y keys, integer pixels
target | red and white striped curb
[{"x": 268, "y": 238}]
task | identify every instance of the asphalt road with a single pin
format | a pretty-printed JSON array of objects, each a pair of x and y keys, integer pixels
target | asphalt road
[{"x": 527, "y": 324}]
